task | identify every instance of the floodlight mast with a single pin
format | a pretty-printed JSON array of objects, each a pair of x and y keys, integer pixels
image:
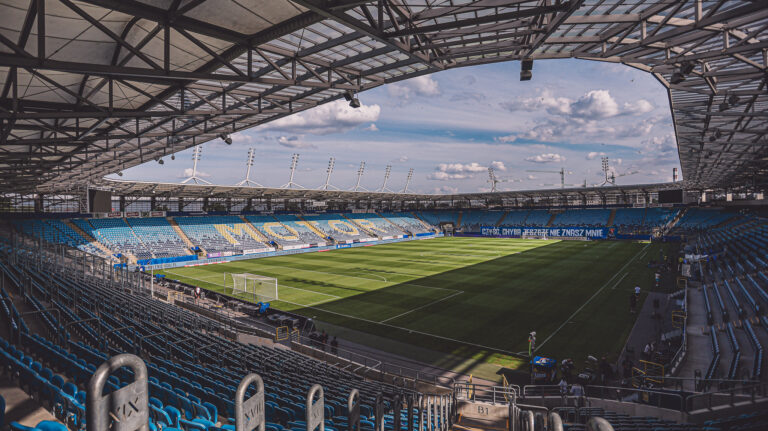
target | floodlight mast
[
  {"x": 387, "y": 173},
  {"x": 360, "y": 172},
  {"x": 247, "y": 181},
  {"x": 291, "y": 184},
  {"x": 328, "y": 185},
  {"x": 562, "y": 173},
  {"x": 196, "y": 155},
  {"x": 408, "y": 181}
]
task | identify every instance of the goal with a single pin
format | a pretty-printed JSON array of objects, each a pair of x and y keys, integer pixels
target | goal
[{"x": 252, "y": 287}]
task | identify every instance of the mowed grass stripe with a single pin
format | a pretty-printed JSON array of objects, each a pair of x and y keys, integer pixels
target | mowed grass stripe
[{"x": 510, "y": 288}]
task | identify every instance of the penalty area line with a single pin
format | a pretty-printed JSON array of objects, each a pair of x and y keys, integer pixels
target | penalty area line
[
  {"x": 591, "y": 298},
  {"x": 423, "y": 306},
  {"x": 495, "y": 349}
]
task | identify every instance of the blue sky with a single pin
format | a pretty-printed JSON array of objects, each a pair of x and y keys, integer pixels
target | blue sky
[{"x": 451, "y": 126}]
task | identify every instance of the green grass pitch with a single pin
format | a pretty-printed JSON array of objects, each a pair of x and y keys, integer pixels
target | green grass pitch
[{"x": 460, "y": 303}]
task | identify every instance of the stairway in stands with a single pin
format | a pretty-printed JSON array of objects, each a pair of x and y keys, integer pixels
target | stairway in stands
[
  {"x": 181, "y": 234},
  {"x": 551, "y": 220},
  {"x": 501, "y": 220},
  {"x": 428, "y": 226},
  {"x": 671, "y": 225},
  {"x": 359, "y": 226},
  {"x": 258, "y": 233},
  {"x": 314, "y": 228},
  {"x": 611, "y": 217},
  {"x": 392, "y": 223},
  {"x": 89, "y": 238}
]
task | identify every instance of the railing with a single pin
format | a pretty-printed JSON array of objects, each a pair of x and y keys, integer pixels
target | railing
[
  {"x": 679, "y": 356},
  {"x": 729, "y": 397},
  {"x": 485, "y": 393}
]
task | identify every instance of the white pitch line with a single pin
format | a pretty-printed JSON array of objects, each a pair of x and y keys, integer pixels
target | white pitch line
[
  {"x": 617, "y": 283},
  {"x": 496, "y": 349},
  {"x": 423, "y": 306},
  {"x": 383, "y": 280},
  {"x": 278, "y": 286},
  {"x": 590, "y": 298}
]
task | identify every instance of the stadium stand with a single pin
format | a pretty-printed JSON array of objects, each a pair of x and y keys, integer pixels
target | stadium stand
[
  {"x": 515, "y": 218},
  {"x": 191, "y": 385},
  {"x": 157, "y": 235},
  {"x": 435, "y": 218},
  {"x": 115, "y": 234},
  {"x": 537, "y": 218},
  {"x": 586, "y": 217},
  {"x": 221, "y": 234},
  {"x": 472, "y": 221},
  {"x": 308, "y": 233},
  {"x": 336, "y": 226},
  {"x": 699, "y": 219},
  {"x": 375, "y": 224},
  {"x": 56, "y": 231},
  {"x": 407, "y": 222}
]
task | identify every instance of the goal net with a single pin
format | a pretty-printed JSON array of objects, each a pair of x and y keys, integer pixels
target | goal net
[{"x": 252, "y": 287}]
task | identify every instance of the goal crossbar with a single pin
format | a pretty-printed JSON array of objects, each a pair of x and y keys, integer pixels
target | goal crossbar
[{"x": 251, "y": 287}]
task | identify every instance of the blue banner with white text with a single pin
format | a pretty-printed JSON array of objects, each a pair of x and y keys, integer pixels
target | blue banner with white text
[{"x": 548, "y": 232}]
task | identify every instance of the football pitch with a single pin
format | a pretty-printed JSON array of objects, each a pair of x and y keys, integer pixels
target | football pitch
[{"x": 473, "y": 300}]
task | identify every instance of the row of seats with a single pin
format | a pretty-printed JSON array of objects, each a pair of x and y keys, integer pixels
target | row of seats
[{"x": 129, "y": 323}]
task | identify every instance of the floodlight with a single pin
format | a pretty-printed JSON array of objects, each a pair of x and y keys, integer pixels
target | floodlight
[
  {"x": 161, "y": 161},
  {"x": 677, "y": 78},
  {"x": 349, "y": 96},
  {"x": 226, "y": 138},
  {"x": 173, "y": 156},
  {"x": 686, "y": 67},
  {"x": 526, "y": 69},
  {"x": 120, "y": 174},
  {"x": 723, "y": 106},
  {"x": 733, "y": 99}
]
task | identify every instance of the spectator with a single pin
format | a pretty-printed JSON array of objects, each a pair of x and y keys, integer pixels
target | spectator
[
  {"x": 335, "y": 346},
  {"x": 637, "y": 290},
  {"x": 198, "y": 293},
  {"x": 647, "y": 351},
  {"x": 563, "y": 385}
]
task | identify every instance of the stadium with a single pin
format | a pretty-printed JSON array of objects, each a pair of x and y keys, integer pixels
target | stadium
[{"x": 158, "y": 304}]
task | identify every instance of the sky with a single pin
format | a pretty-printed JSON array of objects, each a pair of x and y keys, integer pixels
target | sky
[{"x": 451, "y": 126}]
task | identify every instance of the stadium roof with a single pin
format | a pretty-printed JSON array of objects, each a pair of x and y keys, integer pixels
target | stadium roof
[
  {"x": 196, "y": 191},
  {"x": 98, "y": 86}
]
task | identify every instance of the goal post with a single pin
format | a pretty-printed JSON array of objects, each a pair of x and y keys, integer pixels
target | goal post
[{"x": 251, "y": 287}]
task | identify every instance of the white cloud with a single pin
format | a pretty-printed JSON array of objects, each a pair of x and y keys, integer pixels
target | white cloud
[
  {"x": 640, "y": 106},
  {"x": 592, "y": 155},
  {"x": 420, "y": 86},
  {"x": 595, "y": 104},
  {"x": 445, "y": 190},
  {"x": 242, "y": 138},
  {"x": 546, "y": 158},
  {"x": 499, "y": 166},
  {"x": 401, "y": 159},
  {"x": 334, "y": 117},
  {"x": 188, "y": 173},
  {"x": 294, "y": 142},
  {"x": 456, "y": 171},
  {"x": 372, "y": 128},
  {"x": 505, "y": 139},
  {"x": 531, "y": 177}
]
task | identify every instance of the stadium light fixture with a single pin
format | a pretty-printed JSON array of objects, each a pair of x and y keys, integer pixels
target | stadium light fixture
[
  {"x": 120, "y": 174},
  {"x": 350, "y": 97},
  {"x": 677, "y": 78},
  {"x": 173, "y": 156},
  {"x": 161, "y": 161},
  {"x": 526, "y": 69},
  {"x": 733, "y": 99},
  {"x": 226, "y": 138},
  {"x": 686, "y": 67}
]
